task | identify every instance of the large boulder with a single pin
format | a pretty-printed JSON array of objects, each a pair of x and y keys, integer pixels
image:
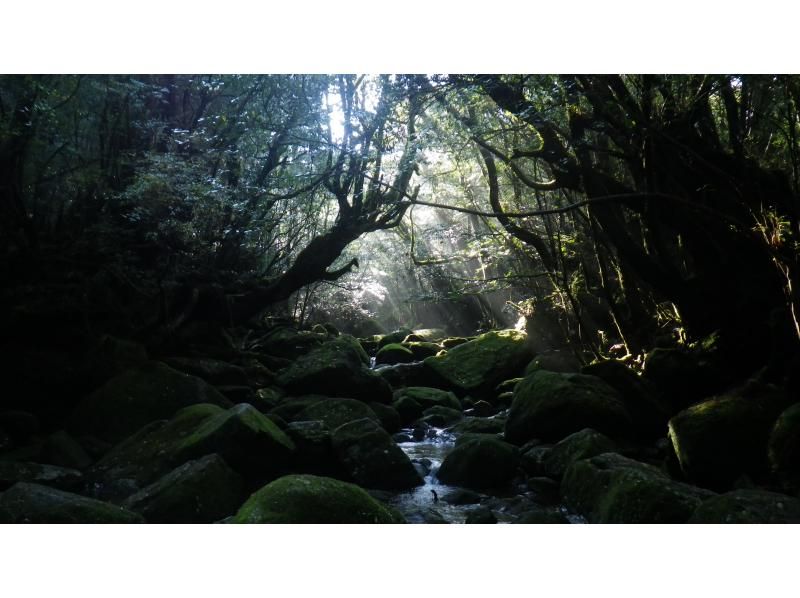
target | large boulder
[
  {"x": 410, "y": 374},
  {"x": 313, "y": 499},
  {"x": 610, "y": 488},
  {"x": 748, "y": 506},
  {"x": 146, "y": 455},
  {"x": 480, "y": 463},
  {"x": 394, "y": 353},
  {"x": 337, "y": 368},
  {"x": 718, "y": 440},
  {"x": 371, "y": 458},
  {"x": 648, "y": 411},
  {"x": 422, "y": 349},
  {"x": 395, "y": 336},
  {"x": 248, "y": 441},
  {"x": 784, "y": 445},
  {"x": 201, "y": 491},
  {"x": 336, "y": 412},
  {"x": 289, "y": 343},
  {"x": 34, "y": 503},
  {"x": 137, "y": 397},
  {"x": 549, "y": 406},
  {"x": 478, "y": 366},
  {"x": 580, "y": 445},
  {"x": 314, "y": 449}
]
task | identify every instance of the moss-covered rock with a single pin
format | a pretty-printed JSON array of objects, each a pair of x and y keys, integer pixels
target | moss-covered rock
[
  {"x": 481, "y": 515},
  {"x": 441, "y": 417},
  {"x": 648, "y": 411},
  {"x": 454, "y": 341},
  {"x": 748, "y": 506},
  {"x": 337, "y": 368},
  {"x": 610, "y": 488},
  {"x": 480, "y": 463},
  {"x": 396, "y": 336},
  {"x": 408, "y": 409},
  {"x": 201, "y": 491},
  {"x": 248, "y": 441},
  {"x": 784, "y": 444},
  {"x": 684, "y": 376},
  {"x": 422, "y": 349},
  {"x": 34, "y": 503},
  {"x": 428, "y": 397},
  {"x": 580, "y": 445},
  {"x": 394, "y": 353},
  {"x": 336, "y": 412},
  {"x": 388, "y": 416},
  {"x": 543, "y": 517},
  {"x": 477, "y": 366},
  {"x": 718, "y": 440},
  {"x": 314, "y": 450},
  {"x": 554, "y": 360},
  {"x": 137, "y": 397},
  {"x": 480, "y": 425},
  {"x": 371, "y": 458},
  {"x": 313, "y": 499},
  {"x": 549, "y": 406},
  {"x": 410, "y": 374},
  {"x": 63, "y": 478},
  {"x": 146, "y": 455},
  {"x": 65, "y": 451},
  {"x": 213, "y": 371}
]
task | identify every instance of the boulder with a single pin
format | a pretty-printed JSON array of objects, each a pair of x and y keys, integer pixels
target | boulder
[
  {"x": 421, "y": 349},
  {"x": 427, "y": 397},
  {"x": 396, "y": 336},
  {"x": 550, "y": 406},
  {"x": 34, "y": 503},
  {"x": 146, "y": 455},
  {"x": 610, "y": 488},
  {"x": 580, "y": 445},
  {"x": 718, "y": 440},
  {"x": 201, "y": 491},
  {"x": 248, "y": 441},
  {"x": 137, "y": 397},
  {"x": 480, "y": 463},
  {"x": 683, "y": 376},
  {"x": 410, "y": 374},
  {"x": 313, "y": 499},
  {"x": 63, "y": 478},
  {"x": 478, "y": 366},
  {"x": 784, "y": 445},
  {"x": 480, "y": 425},
  {"x": 408, "y": 409},
  {"x": 543, "y": 516},
  {"x": 336, "y": 412},
  {"x": 314, "y": 449},
  {"x": 554, "y": 360},
  {"x": 289, "y": 343},
  {"x": 441, "y": 417},
  {"x": 748, "y": 506},
  {"x": 388, "y": 416},
  {"x": 213, "y": 371},
  {"x": 337, "y": 368},
  {"x": 648, "y": 411},
  {"x": 394, "y": 353},
  {"x": 454, "y": 341},
  {"x": 371, "y": 458}
]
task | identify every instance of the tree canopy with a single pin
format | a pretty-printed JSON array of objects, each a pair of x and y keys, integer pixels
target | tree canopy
[{"x": 603, "y": 212}]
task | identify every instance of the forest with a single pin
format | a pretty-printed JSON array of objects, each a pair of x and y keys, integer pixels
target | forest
[{"x": 400, "y": 298}]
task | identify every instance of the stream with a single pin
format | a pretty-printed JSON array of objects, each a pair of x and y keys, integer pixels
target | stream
[{"x": 421, "y": 506}]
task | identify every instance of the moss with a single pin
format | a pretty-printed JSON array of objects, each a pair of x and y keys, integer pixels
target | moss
[
  {"x": 313, "y": 499},
  {"x": 550, "y": 406},
  {"x": 610, "y": 488},
  {"x": 479, "y": 365},
  {"x": 394, "y": 353},
  {"x": 422, "y": 349},
  {"x": 580, "y": 445},
  {"x": 718, "y": 440}
]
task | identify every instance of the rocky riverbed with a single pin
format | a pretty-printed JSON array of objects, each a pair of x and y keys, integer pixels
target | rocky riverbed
[{"x": 281, "y": 425}]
